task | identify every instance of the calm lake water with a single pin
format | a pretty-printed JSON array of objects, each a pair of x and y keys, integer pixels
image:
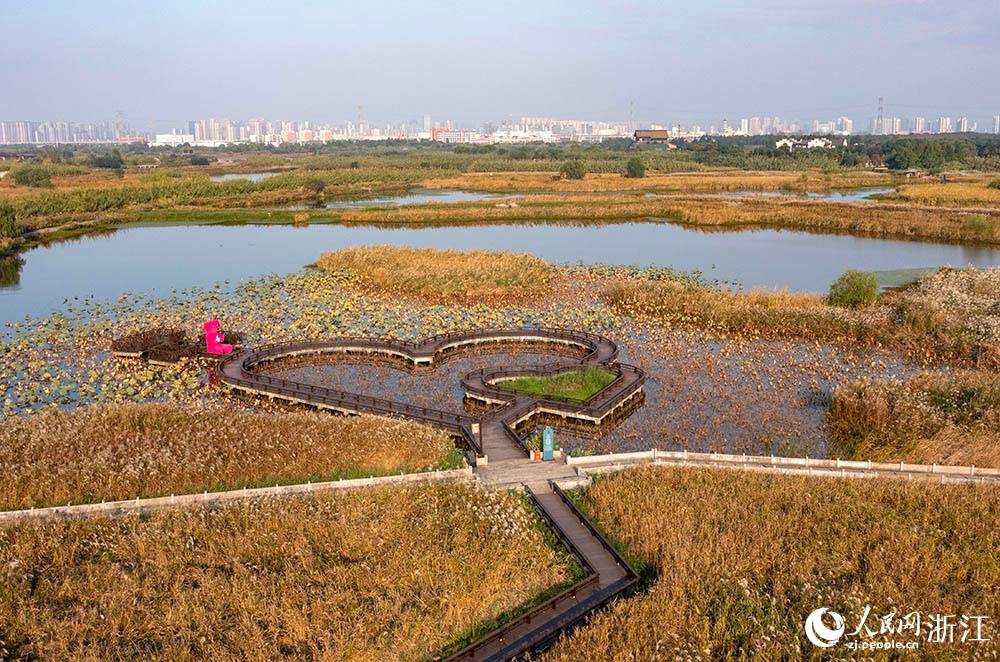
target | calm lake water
[
  {"x": 249, "y": 176},
  {"x": 417, "y": 196},
  {"x": 157, "y": 259},
  {"x": 850, "y": 195}
]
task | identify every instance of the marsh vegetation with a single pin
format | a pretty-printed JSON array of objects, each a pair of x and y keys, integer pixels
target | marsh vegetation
[
  {"x": 378, "y": 574},
  {"x": 734, "y": 562},
  {"x": 123, "y": 452}
]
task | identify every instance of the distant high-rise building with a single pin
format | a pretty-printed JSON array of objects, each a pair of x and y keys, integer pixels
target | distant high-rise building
[
  {"x": 963, "y": 124},
  {"x": 996, "y": 123},
  {"x": 919, "y": 125},
  {"x": 944, "y": 125},
  {"x": 745, "y": 126},
  {"x": 845, "y": 125},
  {"x": 427, "y": 123}
]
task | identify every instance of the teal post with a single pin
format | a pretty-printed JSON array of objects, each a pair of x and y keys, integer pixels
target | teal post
[{"x": 548, "y": 444}]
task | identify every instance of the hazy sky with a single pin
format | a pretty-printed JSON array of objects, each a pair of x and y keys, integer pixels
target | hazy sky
[{"x": 172, "y": 60}]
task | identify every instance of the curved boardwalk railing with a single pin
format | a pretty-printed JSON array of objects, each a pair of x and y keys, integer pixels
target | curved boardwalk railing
[{"x": 238, "y": 371}]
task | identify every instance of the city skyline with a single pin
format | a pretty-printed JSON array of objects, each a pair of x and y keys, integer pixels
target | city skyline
[
  {"x": 680, "y": 63},
  {"x": 217, "y": 131}
]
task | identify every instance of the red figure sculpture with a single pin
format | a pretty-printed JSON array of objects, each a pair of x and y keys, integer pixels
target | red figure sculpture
[{"x": 214, "y": 339}]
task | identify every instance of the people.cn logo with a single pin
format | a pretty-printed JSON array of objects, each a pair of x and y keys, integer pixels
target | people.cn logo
[{"x": 818, "y": 633}]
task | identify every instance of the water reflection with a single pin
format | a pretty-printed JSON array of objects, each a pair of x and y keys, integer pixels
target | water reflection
[{"x": 10, "y": 271}]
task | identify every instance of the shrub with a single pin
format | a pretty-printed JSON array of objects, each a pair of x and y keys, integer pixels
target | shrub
[
  {"x": 200, "y": 160},
  {"x": 853, "y": 289},
  {"x": 573, "y": 170},
  {"x": 32, "y": 175},
  {"x": 635, "y": 168},
  {"x": 979, "y": 225},
  {"x": 315, "y": 185},
  {"x": 112, "y": 161},
  {"x": 8, "y": 223}
]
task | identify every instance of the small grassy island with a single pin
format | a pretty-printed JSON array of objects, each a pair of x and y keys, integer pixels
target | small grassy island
[{"x": 576, "y": 385}]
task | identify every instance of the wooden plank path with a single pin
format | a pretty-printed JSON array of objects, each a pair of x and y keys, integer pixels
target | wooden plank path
[{"x": 608, "y": 577}]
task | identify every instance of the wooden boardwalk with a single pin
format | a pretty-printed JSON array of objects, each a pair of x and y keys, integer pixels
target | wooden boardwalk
[
  {"x": 608, "y": 577},
  {"x": 491, "y": 437}
]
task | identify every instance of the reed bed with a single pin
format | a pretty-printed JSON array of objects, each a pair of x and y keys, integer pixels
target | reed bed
[
  {"x": 736, "y": 561},
  {"x": 700, "y": 182},
  {"x": 950, "y": 315},
  {"x": 379, "y": 574},
  {"x": 128, "y": 451},
  {"x": 872, "y": 219},
  {"x": 716, "y": 214},
  {"x": 931, "y": 418},
  {"x": 952, "y": 193},
  {"x": 443, "y": 276}
]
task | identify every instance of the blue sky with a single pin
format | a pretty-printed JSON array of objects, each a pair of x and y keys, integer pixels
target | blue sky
[{"x": 471, "y": 62}]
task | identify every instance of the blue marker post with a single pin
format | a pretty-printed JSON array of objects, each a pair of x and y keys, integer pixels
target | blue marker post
[{"x": 548, "y": 444}]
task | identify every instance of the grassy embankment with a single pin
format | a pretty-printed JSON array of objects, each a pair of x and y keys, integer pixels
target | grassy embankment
[
  {"x": 128, "y": 451},
  {"x": 380, "y": 574},
  {"x": 92, "y": 202},
  {"x": 442, "y": 276},
  {"x": 576, "y": 385},
  {"x": 735, "y": 563}
]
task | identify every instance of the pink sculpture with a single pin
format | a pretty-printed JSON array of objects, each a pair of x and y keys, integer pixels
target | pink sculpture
[{"x": 214, "y": 338}]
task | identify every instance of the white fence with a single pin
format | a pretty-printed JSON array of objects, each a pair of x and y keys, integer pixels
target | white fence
[
  {"x": 796, "y": 465},
  {"x": 218, "y": 498}
]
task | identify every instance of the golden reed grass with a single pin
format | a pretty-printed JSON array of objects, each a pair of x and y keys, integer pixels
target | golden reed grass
[
  {"x": 443, "y": 276},
  {"x": 379, "y": 574},
  {"x": 127, "y": 451},
  {"x": 906, "y": 321},
  {"x": 738, "y": 560},
  {"x": 952, "y": 193},
  {"x": 931, "y": 418}
]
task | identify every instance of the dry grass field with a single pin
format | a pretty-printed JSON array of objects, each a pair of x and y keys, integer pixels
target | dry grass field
[
  {"x": 738, "y": 560},
  {"x": 381, "y": 574},
  {"x": 442, "y": 276},
  {"x": 127, "y": 451},
  {"x": 976, "y": 192}
]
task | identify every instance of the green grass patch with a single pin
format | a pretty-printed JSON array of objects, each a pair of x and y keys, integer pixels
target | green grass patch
[{"x": 576, "y": 385}]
